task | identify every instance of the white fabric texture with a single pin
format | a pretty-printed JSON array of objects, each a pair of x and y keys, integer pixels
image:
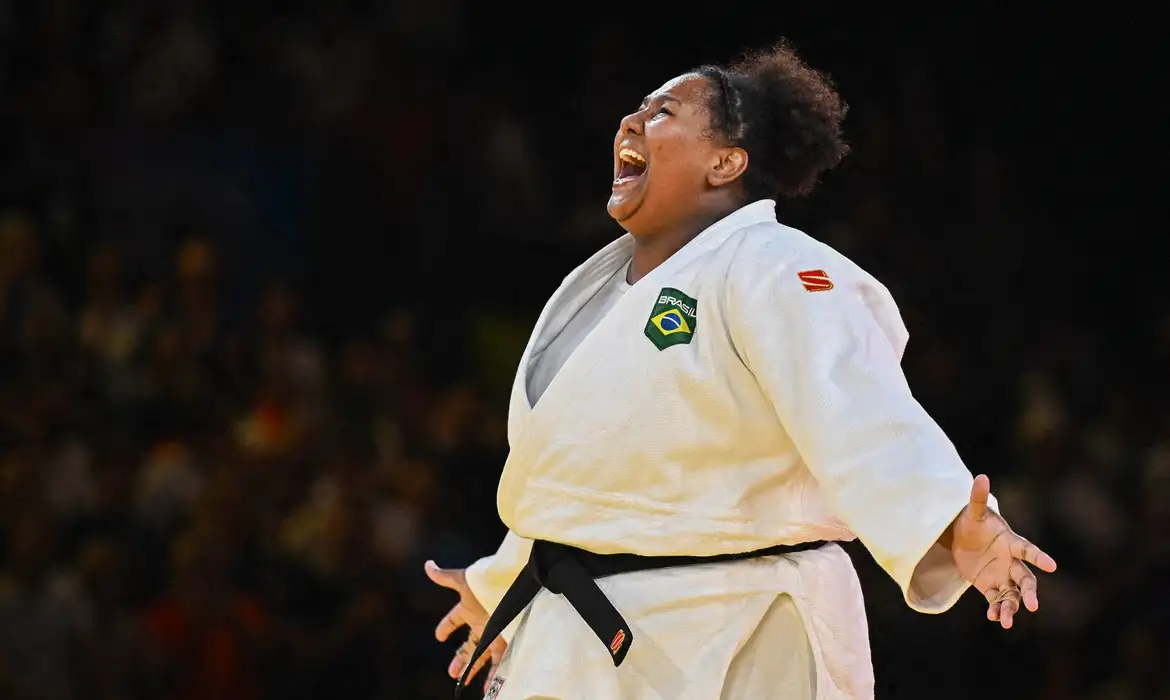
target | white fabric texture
[
  {"x": 548, "y": 363},
  {"x": 777, "y": 661},
  {"x": 695, "y": 636},
  {"x": 786, "y": 418}
]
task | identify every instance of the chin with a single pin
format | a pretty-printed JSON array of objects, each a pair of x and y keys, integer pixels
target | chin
[{"x": 624, "y": 213}]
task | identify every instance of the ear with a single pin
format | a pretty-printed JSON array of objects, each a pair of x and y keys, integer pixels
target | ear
[{"x": 731, "y": 163}]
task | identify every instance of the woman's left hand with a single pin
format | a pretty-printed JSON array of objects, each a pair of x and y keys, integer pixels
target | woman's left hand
[{"x": 994, "y": 559}]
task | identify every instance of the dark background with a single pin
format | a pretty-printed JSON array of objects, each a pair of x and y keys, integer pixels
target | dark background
[{"x": 266, "y": 269}]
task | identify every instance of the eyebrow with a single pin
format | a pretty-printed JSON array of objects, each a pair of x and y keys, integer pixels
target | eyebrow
[{"x": 665, "y": 96}]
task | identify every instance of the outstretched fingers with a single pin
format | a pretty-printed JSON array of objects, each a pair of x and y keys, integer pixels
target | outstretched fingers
[
  {"x": 452, "y": 621},
  {"x": 1023, "y": 577},
  {"x": 980, "y": 492},
  {"x": 992, "y": 596},
  {"x": 1024, "y": 550}
]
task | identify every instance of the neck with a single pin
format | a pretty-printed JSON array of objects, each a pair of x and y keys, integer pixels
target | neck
[{"x": 653, "y": 249}]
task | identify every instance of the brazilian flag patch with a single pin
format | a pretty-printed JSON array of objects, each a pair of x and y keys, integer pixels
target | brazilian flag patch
[{"x": 673, "y": 320}]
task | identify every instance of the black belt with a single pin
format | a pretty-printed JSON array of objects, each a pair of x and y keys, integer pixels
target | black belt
[{"x": 570, "y": 571}]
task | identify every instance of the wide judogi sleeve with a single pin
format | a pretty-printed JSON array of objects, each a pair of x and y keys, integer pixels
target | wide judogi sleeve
[
  {"x": 490, "y": 577},
  {"x": 828, "y": 359}
]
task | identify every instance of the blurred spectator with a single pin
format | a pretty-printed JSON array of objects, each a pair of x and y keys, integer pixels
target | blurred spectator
[
  {"x": 211, "y": 639},
  {"x": 43, "y": 619}
]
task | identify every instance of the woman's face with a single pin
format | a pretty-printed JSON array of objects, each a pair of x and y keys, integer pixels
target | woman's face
[{"x": 665, "y": 159}]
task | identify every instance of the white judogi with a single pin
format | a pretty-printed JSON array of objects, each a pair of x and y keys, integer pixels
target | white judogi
[{"x": 745, "y": 393}]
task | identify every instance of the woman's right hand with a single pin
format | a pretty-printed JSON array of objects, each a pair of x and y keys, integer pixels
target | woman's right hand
[{"x": 468, "y": 612}]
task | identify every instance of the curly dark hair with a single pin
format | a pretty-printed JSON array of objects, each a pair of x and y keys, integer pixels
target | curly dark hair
[{"x": 786, "y": 115}]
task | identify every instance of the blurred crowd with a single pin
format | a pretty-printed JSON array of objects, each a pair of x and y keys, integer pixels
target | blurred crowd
[{"x": 255, "y": 344}]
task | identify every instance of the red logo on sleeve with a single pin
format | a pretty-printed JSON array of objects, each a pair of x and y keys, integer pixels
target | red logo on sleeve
[{"x": 815, "y": 280}]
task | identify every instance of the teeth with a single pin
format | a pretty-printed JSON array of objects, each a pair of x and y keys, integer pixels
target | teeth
[{"x": 629, "y": 155}]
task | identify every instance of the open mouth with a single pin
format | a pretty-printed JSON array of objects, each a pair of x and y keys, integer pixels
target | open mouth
[{"x": 631, "y": 166}]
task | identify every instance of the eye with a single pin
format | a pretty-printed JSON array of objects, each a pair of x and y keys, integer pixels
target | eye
[{"x": 664, "y": 110}]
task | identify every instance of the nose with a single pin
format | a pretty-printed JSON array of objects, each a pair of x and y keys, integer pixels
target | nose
[{"x": 632, "y": 123}]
